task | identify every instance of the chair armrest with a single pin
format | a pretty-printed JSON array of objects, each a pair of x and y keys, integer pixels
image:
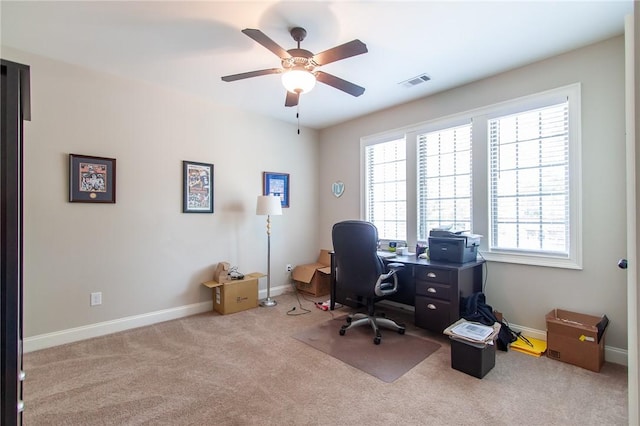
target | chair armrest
[
  {"x": 388, "y": 282},
  {"x": 395, "y": 265}
]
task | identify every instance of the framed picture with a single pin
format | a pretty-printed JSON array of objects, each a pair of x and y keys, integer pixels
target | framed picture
[
  {"x": 197, "y": 192},
  {"x": 92, "y": 179},
  {"x": 276, "y": 184}
]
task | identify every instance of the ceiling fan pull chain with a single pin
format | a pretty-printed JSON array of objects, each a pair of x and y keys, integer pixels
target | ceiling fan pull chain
[{"x": 298, "y": 117}]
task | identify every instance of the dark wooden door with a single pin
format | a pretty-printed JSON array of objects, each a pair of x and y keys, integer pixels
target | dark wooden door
[{"x": 15, "y": 108}]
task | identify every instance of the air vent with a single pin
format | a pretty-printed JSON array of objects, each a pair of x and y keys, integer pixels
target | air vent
[{"x": 414, "y": 81}]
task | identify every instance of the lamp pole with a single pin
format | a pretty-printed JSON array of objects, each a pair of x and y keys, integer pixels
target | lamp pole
[
  {"x": 268, "y": 301},
  {"x": 268, "y": 205}
]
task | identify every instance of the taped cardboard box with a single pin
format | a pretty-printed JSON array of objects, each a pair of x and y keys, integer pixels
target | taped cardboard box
[
  {"x": 235, "y": 295},
  {"x": 314, "y": 278},
  {"x": 576, "y": 338}
]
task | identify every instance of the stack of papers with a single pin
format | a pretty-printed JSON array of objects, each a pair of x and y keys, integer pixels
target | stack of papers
[{"x": 473, "y": 332}]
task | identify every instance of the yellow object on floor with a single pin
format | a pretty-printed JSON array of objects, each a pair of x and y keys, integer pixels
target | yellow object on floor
[{"x": 537, "y": 347}]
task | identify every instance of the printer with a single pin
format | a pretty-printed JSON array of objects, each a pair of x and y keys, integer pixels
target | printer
[{"x": 454, "y": 247}]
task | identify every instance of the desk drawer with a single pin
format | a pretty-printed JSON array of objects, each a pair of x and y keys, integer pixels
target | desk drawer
[
  {"x": 434, "y": 290},
  {"x": 434, "y": 275},
  {"x": 432, "y": 314}
]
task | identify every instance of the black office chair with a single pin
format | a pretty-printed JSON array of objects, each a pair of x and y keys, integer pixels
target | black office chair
[{"x": 360, "y": 272}]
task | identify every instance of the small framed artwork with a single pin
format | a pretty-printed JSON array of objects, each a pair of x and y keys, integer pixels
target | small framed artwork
[
  {"x": 92, "y": 179},
  {"x": 276, "y": 184},
  {"x": 197, "y": 184}
]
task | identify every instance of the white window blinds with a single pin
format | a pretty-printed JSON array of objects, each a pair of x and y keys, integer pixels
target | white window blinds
[
  {"x": 529, "y": 181},
  {"x": 386, "y": 194},
  {"x": 444, "y": 179}
]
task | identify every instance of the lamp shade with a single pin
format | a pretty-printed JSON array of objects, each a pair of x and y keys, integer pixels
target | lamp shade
[
  {"x": 269, "y": 205},
  {"x": 298, "y": 80}
]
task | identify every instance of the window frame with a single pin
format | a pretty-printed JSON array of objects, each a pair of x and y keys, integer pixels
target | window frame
[
  {"x": 481, "y": 215},
  {"x": 570, "y": 93}
]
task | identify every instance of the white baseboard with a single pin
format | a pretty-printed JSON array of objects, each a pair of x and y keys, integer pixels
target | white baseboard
[
  {"x": 275, "y": 291},
  {"x": 529, "y": 332},
  {"x": 62, "y": 337},
  {"x": 616, "y": 355},
  {"x": 76, "y": 334}
]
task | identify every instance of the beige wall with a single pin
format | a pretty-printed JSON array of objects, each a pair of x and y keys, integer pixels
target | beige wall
[
  {"x": 143, "y": 253},
  {"x": 525, "y": 293}
]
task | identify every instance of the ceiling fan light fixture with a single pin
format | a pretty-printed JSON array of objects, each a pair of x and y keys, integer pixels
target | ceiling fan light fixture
[{"x": 298, "y": 80}]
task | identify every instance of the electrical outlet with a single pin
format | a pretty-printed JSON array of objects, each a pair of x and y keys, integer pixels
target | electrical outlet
[
  {"x": 96, "y": 298},
  {"x": 289, "y": 267}
]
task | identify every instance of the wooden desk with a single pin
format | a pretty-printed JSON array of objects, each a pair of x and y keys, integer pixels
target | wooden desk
[{"x": 433, "y": 288}]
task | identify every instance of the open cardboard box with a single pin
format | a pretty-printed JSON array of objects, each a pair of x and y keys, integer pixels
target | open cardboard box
[
  {"x": 576, "y": 338},
  {"x": 235, "y": 295},
  {"x": 314, "y": 278}
]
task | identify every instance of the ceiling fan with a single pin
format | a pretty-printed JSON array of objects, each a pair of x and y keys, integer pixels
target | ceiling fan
[{"x": 299, "y": 66}]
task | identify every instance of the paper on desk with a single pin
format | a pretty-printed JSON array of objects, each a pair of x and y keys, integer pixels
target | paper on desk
[{"x": 386, "y": 254}]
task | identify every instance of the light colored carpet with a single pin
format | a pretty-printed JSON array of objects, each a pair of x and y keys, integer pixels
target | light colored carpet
[
  {"x": 388, "y": 361},
  {"x": 246, "y": 369}
]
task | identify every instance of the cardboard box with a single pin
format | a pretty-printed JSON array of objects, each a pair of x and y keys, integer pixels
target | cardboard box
[
  {"x": 474, "y": 359},
  {"x": 221, "y": 274},
  {"x": 314, "y": 278},
  {"x": 235, "y": 295},
  {"x": 575, "y": 338}
]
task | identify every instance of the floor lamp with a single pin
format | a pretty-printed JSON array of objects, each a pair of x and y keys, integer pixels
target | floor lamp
[{"x": 268, "y": 205}]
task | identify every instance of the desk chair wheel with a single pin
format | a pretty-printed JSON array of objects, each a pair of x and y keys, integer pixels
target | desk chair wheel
[
  {"x": 402, "y": 329},
  {"x": 349, "y": 319},
  {"x": 343, "y": 330},
  {"x": 376, "y": 340}
]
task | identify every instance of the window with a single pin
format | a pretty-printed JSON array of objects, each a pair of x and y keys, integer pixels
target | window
[
  {"x": 444, "y": 180},
  {"x": 386, "y": 188},
  {"x": 529, "y": 156},
  {"x": 509, "y": 172}
]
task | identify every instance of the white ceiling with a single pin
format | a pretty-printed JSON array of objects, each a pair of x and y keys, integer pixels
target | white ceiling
[{"x": 190, "y": 45}]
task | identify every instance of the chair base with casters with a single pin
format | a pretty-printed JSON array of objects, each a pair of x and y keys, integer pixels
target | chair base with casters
[
  {"x": 382, "y": 288},
  {"x": 375, "y": 321}
]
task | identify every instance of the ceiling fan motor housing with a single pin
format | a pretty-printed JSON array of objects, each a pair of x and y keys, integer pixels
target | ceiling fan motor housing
[{"x": 300, "y": 58}]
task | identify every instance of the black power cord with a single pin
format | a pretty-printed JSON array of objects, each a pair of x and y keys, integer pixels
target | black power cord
[{"x": 303, "y": 310}]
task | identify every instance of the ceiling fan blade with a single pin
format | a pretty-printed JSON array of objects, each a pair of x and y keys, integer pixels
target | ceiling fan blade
[
  {"x": 262, "y": 38},
  {"x": 250, "y": 74},
  {"x": 347, "y": 50},
  {"x": 292, "y": 99},
  {"x": 338, "y": 83}
]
